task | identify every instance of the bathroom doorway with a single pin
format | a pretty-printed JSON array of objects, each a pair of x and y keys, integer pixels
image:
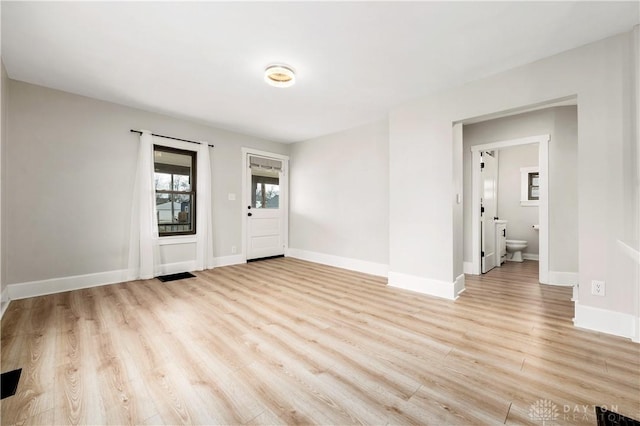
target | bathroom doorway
[
  {"x": 550, "y": 133},
  {"x": 488, "y": 248}
]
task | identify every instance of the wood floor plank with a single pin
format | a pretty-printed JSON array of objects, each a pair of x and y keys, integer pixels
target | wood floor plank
[
  {"x": 34, "y": 394},
  {"x": 285, "y": 341}
]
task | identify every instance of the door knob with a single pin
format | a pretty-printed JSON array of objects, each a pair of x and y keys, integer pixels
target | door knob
[{"x": 249, "y": 214}]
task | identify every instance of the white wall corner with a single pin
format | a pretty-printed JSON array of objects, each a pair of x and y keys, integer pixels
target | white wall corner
[
  {"x": 366, "y": 267},
  {"x": 467, "y": 267},
  {"x": 235, "y": 259},
  {"x": 563, "y": 278},
  {"x": 442, "y": 289},
  {"x": 605, "y": 321},
  {"x": 4, "y": 301}
]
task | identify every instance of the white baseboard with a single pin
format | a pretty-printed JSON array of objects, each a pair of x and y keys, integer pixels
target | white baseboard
[
  {"x": 177, "y": 267},
  {"x": 605, "y": 321},
  {"x": 59, "y": 285},
  {"x": 576, "y": 293},
  {"x": 443, "y": 289},
  {"x": 235, "y": 259},
  {"x": 77, "y": 282},
  {"x": 4, "y": 301},
  {"x": 563, "y": 278},
  {"x": 458, "y": 285},
  {"x": 467, "y": 267},
  {"x": 530, "y": 256},
  {"x": 357, "y": 265}
]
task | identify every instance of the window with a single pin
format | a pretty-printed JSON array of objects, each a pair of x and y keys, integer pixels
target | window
[
  {"x": 175, "y": 186},
  {"x": 265, "y": 190},
  {"x": 529, "y": 186},
  {"x": 265, "y": 182},
  {"x": 533, "y": 190}
]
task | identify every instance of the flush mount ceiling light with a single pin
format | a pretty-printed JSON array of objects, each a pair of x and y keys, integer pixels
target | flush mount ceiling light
[{"x": 279, "y": 75}]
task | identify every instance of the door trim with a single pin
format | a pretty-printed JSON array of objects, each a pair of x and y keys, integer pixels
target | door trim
[
  {"x": 496, "y": 158},
  {"x": 284, "y": 192},
  {"x": 543, "y": 212}
]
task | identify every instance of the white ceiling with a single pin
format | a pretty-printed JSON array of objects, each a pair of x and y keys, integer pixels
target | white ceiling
[{"x": 204, "y": 61}]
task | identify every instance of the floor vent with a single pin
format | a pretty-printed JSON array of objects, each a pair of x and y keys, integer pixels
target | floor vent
[
  {"x": 265, "y": 258},
  {"x": 174, "y": 277},
  {"x": 610, "y": 418},
  {"x": 9, "y": 382}
]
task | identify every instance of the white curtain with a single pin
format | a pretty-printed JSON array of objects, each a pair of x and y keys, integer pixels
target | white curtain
[
  {"x": 204, "y": 226},
  {"x": 144, "y": 251}
]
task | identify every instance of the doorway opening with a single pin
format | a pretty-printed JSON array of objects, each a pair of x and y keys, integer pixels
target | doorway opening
[
  {"x": 555, "y": 185},
  {"x": 490, "y": 246}
]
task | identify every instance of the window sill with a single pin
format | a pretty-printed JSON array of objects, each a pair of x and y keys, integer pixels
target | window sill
[{"x": 180, "y": 239}]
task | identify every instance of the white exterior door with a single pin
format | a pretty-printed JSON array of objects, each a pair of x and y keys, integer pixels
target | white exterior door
[
  {"x": 265, "y": 206},
  {"x": 489, "y": 200}
]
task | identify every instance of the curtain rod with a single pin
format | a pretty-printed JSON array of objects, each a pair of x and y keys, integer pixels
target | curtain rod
[{"x": 169, "y": 137}]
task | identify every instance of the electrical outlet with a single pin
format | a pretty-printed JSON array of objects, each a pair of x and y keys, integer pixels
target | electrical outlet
[
  {"x": 233, "y": 250},
  {"x": 597, "y": 288}
]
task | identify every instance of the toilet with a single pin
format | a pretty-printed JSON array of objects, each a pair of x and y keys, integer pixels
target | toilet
[{"x": 515, "y": 247}]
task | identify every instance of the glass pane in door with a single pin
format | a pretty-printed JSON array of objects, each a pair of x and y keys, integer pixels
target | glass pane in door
[{"x": 265, "y": 189}]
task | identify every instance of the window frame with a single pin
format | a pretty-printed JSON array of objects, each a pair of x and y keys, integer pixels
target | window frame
[{"x": 192, "y": 192}]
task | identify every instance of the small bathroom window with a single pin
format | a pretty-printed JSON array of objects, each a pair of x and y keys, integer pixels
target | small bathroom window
[
  {"x": 533, "y": 192},
  {"x": 529, "y": 186}
]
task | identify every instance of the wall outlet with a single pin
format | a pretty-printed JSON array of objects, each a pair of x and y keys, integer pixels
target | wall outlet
[
  {"x": 597, "y": 288},
  {"x": 233, "y": 249}
]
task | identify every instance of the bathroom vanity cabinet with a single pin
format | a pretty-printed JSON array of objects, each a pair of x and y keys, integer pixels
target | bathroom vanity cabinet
[{"x": 501, "y": 242}]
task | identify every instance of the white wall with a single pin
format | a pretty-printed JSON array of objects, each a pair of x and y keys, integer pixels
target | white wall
[
  {"x": 339, "y": 194},
  {"x": 561, "y": 124},
  {"x": 563, "y": 191},
  {"x": 421, "y": 133},
  {"x": 70, "y": 164},
  {"x": 4, "y": 96}
]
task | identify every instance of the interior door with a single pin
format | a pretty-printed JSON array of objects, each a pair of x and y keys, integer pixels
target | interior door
[
  {"x": 489, "y": 198},
  {"x": 265, "y": 219}
]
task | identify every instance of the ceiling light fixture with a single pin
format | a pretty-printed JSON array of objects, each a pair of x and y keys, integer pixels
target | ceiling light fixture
[{"x": 279, "y": 75}]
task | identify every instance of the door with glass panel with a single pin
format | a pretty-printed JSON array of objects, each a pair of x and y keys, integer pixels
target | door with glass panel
[{"x": 264, "y": 207}]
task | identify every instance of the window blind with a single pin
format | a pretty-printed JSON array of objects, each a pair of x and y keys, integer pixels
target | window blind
[{"x": 264, "y": 163}]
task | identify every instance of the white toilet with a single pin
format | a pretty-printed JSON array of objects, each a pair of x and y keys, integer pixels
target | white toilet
[{"x": 515, "y": 247}]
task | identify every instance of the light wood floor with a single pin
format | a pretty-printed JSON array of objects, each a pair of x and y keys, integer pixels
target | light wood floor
[{"x": 287, "y": 341}]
